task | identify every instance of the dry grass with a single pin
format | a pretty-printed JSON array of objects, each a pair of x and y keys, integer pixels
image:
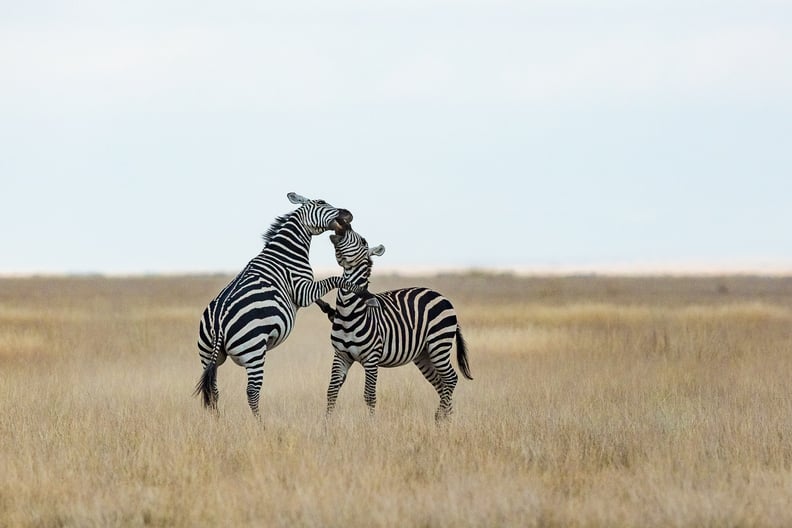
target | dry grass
[{"x": 597, "y": 402}]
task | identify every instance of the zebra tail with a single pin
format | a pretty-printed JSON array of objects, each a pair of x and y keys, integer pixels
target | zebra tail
[
  {"x": 462, "y": 359},
  {"x": 205, "y": 384},
  {"x": 209, "y": 378}
]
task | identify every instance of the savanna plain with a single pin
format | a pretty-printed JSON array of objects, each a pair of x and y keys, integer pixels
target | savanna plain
[{"x": 597, "y": 401}]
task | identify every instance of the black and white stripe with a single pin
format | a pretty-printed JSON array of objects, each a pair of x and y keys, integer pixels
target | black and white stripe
[
  {"x": 255, "y": 312},
  {"x": 411, "y": 325}
]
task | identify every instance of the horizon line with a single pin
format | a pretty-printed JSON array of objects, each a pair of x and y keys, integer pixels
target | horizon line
[{"x": 776, "y": 268}]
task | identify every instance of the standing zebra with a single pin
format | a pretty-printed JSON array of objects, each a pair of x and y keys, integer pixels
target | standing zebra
[
  {"x": 415, "y": 325},
  {"x": 255, "y": 312}
]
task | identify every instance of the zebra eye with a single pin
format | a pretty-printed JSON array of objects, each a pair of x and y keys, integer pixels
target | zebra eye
[{"x": 321, "y": 202}]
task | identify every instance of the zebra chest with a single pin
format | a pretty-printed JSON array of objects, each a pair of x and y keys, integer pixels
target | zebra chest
[
  {"x": 357, "y": 353},
  {"x": 351, "y": 343},
  {"x": 356, "y": 350}
]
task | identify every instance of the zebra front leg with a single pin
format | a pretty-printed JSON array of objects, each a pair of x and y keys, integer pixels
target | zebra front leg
[
  {"x": 338, "y": 375},
  {"x": 370, "y": 389},
  {"x": 327, "y": 309},
  {"x": 307, "y": 292}
]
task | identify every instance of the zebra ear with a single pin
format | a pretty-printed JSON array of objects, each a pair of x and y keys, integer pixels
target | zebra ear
[
  {"x": 296, "y": 198},
  {"x": 377, "y": 250}
]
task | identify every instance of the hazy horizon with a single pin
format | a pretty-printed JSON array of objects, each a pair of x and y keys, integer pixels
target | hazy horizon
[{"x": 626, "y": 269}]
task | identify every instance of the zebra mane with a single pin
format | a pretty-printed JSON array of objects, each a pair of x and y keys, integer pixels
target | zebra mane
[{"x": 275, "y": 227}]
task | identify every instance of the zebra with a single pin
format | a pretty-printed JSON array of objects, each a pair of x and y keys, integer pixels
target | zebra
[
  {"x": 417, "y": 325},
  {"x": 255, "y": 312}
]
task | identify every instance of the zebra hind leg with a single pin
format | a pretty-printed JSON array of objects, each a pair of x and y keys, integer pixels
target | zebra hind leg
[
  {"x": 440, "y": 359},
  {"x": 255, "y": 376},
  {"x": 432, "y": 376},
  {"x": 446, "y": 398},
  {"x": 216, "y": 393}
]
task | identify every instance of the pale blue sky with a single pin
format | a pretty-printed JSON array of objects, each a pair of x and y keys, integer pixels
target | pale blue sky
[{"x": 164, "y": 135}]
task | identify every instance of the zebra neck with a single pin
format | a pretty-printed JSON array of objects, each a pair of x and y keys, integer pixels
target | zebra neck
[
  {"x": 347, "y": 301},
  {"x": 291, "y": 243}
]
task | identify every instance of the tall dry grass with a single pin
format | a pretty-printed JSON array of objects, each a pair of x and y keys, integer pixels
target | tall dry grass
[{"x": 597, "y": 402}]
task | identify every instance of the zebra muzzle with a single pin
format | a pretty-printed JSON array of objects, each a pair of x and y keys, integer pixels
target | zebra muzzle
[{"x": 340, "y": 226}]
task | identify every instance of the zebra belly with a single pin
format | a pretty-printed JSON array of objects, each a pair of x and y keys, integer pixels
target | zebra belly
[
  {"x": 397, "y": 357},
  {"x": 392, "y": 354}
]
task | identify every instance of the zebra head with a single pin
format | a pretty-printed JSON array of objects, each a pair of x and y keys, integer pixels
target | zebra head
[
  {"x": 318, "y": 216},
  {"x": 352, "y": 250}
]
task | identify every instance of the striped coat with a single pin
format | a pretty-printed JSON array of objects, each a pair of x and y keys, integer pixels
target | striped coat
[
  {"x": 256, "y": 311},
  {"x": 412, "y": 325}
]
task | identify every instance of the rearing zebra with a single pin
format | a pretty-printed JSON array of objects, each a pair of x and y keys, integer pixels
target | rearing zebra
[
  {"x": 255, "y": 312},
  {"x": 415, "y": 325}
]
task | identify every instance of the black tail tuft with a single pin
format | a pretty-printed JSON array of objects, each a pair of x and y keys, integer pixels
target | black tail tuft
[
  {"x": 462, "y": 359},
  {"x": 205, "y": 385}
]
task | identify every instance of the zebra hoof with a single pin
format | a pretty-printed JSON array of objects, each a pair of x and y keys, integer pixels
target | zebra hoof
[{"x": 443, "y": 415}]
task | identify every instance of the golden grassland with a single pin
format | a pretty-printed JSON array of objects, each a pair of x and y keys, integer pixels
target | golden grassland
[{"x": 597, "y": 401}]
